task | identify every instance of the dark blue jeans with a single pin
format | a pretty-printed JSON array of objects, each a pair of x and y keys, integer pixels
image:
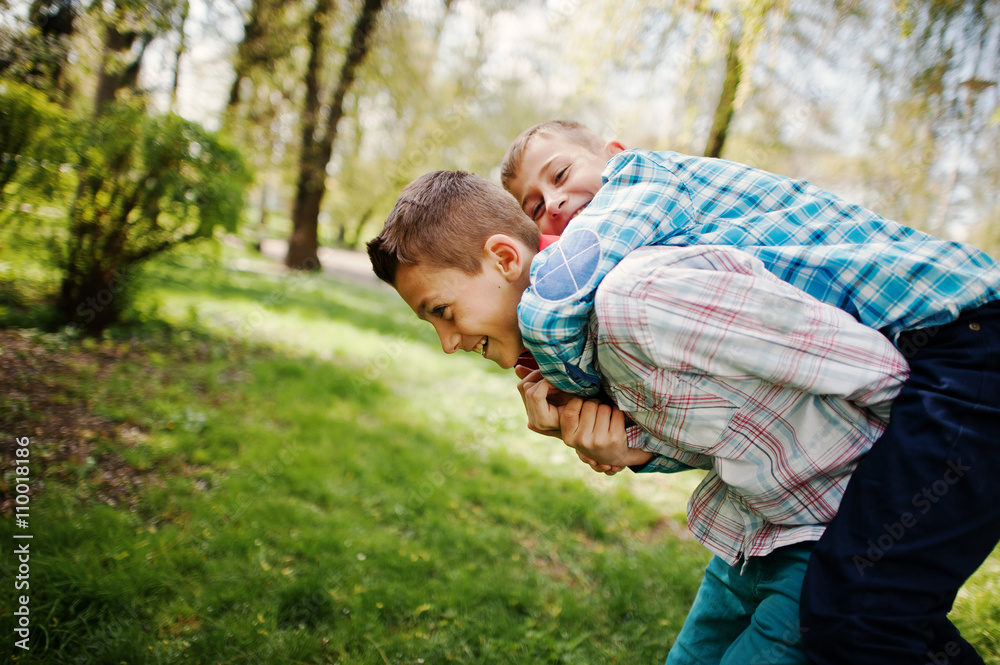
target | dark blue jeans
[{"x": 920, "y": 514}]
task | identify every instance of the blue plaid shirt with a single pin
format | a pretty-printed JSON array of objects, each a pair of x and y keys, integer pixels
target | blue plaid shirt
[{"x": 888, "y": 276}]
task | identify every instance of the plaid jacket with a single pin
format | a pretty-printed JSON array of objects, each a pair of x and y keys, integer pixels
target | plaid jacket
[{"x": 890, "y": 277}]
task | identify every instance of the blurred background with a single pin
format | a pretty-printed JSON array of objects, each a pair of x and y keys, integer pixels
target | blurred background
[{"x": 336, "y": 106}]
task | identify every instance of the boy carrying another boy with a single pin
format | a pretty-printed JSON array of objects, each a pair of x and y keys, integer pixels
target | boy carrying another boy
[
  {"x": 777, "y": 408},
  {"x": 922, "y": 510}
]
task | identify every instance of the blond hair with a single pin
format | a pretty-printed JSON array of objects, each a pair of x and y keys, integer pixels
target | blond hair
[
  {"x": 574, "y": 131},
  {"x": 443, "y": 219}
]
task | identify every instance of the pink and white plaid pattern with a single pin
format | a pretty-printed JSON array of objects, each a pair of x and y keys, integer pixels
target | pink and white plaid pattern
[{"x": 725, "y": 367}]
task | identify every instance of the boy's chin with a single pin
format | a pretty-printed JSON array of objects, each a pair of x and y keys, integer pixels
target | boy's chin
[{"x": 506, "y": 363}]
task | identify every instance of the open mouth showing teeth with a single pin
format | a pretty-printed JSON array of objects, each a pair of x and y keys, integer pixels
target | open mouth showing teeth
[{"x": 480, "y": 348}]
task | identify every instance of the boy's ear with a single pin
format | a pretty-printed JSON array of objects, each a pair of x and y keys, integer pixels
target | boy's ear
[
  {"x": 506, "y": 254},
  {"x": 612, "y": 148}
]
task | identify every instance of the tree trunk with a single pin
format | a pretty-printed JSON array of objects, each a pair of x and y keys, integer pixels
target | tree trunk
[
  {"x": 727, "y": 99},
  {"x": 115, "y": 74},
  {"x": 252, "y": 35},
  {"x": 303, "y": 244},
  {"x": 316, "y": 151},
  {"x": 109, "y": 80},
  {"x": 262, "y": 221},
  {"x": 311, "y": 186},
  {"x": 355, "y": 240},
  {"x": 181, "y": 48}
]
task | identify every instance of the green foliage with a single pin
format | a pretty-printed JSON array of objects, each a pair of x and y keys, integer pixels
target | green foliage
[
  {"x": 405, "y": 119},
  {"x": 34, "y": 145},
  {"x": 130, "y": 185},
  {"x": 167, "y": 177},
  {"x": 31, "y": 56},
  {"x": 29, "y": 125},
  {"x": 145, "y": 184}
]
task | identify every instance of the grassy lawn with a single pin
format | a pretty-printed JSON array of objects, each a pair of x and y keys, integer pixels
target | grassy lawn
[
  {"x": 293, "y": 473},
  {"x": 288, "y": 470}
]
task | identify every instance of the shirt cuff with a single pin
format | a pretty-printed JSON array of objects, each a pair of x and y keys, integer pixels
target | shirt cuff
[
  {"x": 661, "y": 464},
  {"x": 636, "y": 436}
]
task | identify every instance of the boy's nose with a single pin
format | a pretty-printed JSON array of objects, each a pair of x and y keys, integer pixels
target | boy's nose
[
  {"x": 555, "y": 207},
  {"x": 450, "y": 342}
]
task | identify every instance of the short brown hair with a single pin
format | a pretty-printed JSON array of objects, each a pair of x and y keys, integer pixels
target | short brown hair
[
  {"x": 574, "y": 131},
  {"x": 443, "y": 219}
]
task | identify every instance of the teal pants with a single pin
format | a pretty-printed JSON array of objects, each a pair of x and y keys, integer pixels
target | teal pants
[{"x": 746, "y": 616}]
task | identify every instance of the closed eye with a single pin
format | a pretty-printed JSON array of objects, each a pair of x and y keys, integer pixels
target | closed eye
[
  {"x": 560, "y": 174},
  {"x": 536, "y": 210}
]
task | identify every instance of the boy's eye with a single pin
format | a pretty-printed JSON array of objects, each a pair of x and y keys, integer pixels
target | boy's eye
[
  {"x": 559, "y": 174},
  {"x": 537, "y": 208},
  {"x": 439, "y": 311}
]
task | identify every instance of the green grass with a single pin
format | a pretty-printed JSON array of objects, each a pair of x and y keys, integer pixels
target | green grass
[
  {"x": 312, "y": 481},
  {"x": 292, "y": 472}
]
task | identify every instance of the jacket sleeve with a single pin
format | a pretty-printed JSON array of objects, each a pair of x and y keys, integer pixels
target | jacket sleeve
[{"x": 641, "y": 203}]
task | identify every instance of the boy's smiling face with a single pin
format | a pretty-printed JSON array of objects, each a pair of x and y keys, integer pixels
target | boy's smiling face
[
  {"x": 474, "y": 313},
  {"x": 557, "y": 178}
]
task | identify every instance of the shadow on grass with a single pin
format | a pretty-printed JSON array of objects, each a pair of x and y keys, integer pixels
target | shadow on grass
[{"x": 289, "y": 514}]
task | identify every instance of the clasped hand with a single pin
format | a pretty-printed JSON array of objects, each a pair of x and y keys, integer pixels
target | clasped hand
[{"x": 596, "y": 431}]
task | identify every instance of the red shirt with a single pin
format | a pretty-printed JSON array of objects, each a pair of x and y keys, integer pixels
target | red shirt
[{"x": 545, "y": 240}]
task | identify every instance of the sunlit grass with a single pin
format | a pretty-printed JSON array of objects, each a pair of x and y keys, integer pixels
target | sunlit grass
[
  {"x": 370, "y": 330},
  {"x": 331, "y": 488}
]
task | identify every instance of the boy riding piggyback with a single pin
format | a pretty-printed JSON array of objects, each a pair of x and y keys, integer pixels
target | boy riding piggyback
[{"x": 937, "y": 301}]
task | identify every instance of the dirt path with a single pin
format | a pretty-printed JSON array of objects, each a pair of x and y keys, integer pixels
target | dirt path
[{"x": 340, "y": 263}]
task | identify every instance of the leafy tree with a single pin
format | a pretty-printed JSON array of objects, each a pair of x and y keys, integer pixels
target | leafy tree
[
  {"x": 263, "y": 98},
  {"x": 145, "y": 185},
  {"x": 35, "y": 49},
  {"x": 56, "y": 23},
  {"x": 420, "y": 103},
  {"x": 183, "y": 11},
  {"x": 710, "y": 48},
  {"x": 938, "y": 98},
  {"x": 267, "y": 39}
]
